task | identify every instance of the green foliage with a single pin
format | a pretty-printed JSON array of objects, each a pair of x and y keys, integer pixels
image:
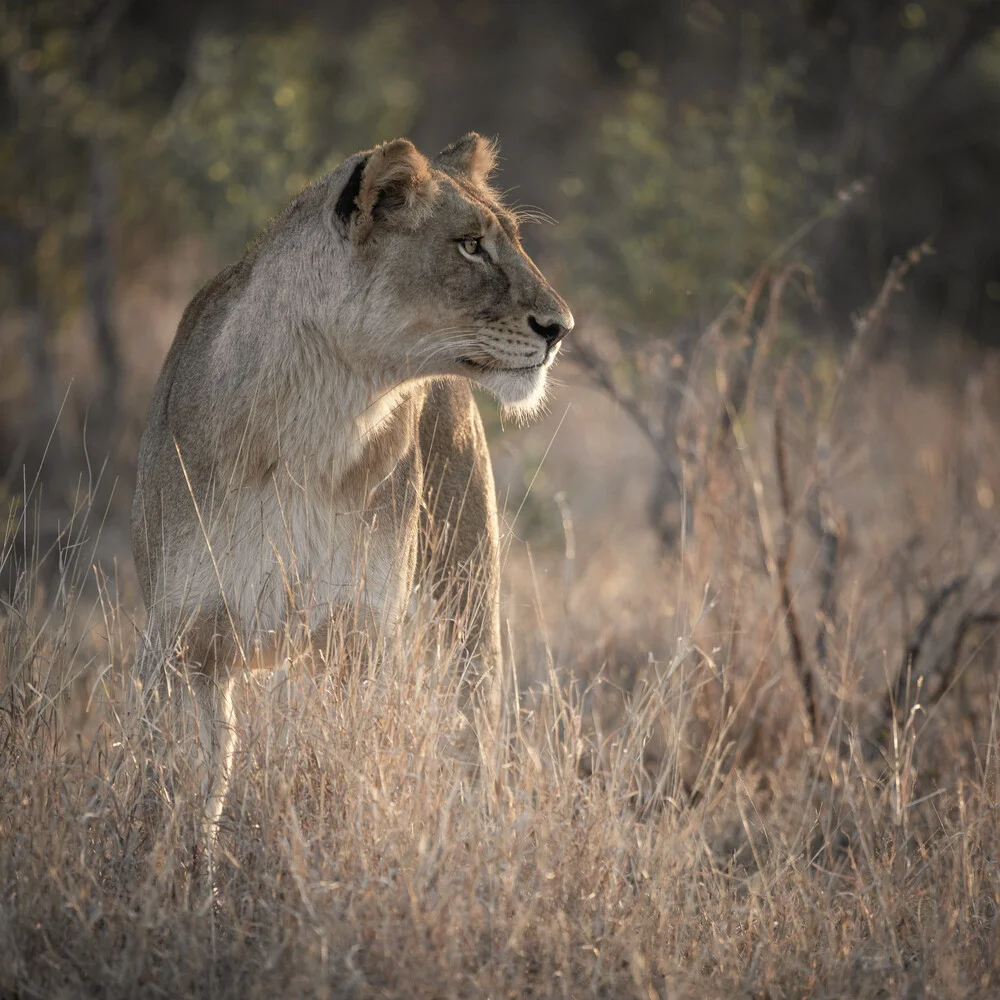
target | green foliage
[
  {"x": 678, "y": 201},
  {"x": 43, "y": 158},
  {"x": 262, "y": 115},
  {"x": 257, "y": 117}
]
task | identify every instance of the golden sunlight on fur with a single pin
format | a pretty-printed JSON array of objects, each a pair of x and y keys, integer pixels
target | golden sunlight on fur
[{"x": 313, "y": 452}]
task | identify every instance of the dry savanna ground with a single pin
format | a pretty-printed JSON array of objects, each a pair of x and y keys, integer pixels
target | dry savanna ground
[{"x": 758, "y": 762}]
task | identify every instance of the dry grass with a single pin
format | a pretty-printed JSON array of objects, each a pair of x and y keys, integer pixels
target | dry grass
[{"x": 654, "y": 820}]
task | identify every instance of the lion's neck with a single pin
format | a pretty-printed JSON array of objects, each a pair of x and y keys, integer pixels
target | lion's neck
[
  {"x": 319, "y": 411},
  {"x": 333, "y": 414}
]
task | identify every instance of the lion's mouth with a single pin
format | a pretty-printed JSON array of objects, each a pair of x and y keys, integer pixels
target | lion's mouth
[{"x": 480, "y": 366}]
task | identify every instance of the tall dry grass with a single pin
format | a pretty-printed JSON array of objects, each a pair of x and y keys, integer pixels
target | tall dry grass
[{"x": 658, "y": 816}]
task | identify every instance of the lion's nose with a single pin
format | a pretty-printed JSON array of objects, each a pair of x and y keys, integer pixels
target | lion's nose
[{"x": 551, "y": 329}]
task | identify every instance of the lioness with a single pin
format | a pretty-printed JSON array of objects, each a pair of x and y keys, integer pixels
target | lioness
[{"x": 313, "y": 422}]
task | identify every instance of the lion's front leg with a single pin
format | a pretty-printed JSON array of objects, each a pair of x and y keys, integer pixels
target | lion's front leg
[
  {"x": 459, "y": 558},
  {"x": 182, "y": 720}
]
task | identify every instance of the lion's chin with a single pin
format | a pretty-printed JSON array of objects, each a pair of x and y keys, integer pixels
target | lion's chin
[{"x": 520, "y": 393}]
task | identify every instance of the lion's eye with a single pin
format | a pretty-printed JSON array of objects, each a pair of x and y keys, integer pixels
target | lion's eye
[{"x": 471, "y": 247}]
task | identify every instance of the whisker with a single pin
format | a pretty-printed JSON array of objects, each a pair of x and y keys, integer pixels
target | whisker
[{"x": 531, "y": 213}]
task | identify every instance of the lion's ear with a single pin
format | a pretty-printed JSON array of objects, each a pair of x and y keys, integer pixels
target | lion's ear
[
  {"x": 392, "y": 185},
  {"x": 471, "y": 155}
]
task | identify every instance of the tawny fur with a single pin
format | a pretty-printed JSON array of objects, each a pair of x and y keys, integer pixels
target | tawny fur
[{"x": 313, "y": 420}]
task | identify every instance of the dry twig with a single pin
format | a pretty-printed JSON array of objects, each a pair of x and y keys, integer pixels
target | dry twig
[{"x": 783, "y": 559}]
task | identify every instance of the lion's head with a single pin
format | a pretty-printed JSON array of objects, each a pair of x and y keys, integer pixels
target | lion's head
[{"x": 420, "y": 271}]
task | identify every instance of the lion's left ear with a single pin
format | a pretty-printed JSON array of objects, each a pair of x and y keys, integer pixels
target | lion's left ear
[
  {"x": 391, "y": 186},
  {"x": 471, "y": 155}
]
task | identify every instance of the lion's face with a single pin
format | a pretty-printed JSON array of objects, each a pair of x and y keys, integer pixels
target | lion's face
[{"x": 452, "y": 291}]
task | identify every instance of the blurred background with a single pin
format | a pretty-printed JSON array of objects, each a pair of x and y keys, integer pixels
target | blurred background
[{"x": 778, "y": 224}]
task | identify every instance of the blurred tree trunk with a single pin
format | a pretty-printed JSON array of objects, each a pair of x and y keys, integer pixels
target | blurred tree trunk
[
  {"x": 100, "y": 267},
  {"x": 99, "y": 249}
]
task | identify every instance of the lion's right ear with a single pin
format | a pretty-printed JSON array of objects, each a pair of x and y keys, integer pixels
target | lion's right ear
[
  {"x": 471, "y": 155},
  {"x": 391, "y": 186}
]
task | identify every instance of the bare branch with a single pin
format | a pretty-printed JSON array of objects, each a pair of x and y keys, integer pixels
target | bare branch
[
  {"x": 598, "y": 371},
  {"x": 783, "y": 559}
]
